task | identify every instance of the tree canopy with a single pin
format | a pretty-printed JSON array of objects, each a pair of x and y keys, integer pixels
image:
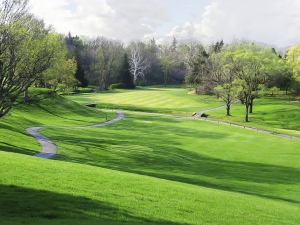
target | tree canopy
[{"x": 26, "y": 51}]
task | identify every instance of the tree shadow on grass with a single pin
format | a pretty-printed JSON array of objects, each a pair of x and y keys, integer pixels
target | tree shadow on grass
[
  {"x": 5, "y": 147},
  {"x": 171, "y": 162},
  {"x": 58, "y": 115},
  {"x": 47, "y": 207}
]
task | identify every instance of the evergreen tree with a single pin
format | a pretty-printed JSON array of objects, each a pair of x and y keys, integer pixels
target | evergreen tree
[
  {"x": 125, "y": 74},
  {"x": 75, "y": 47},
  {"x": 80, "y": 76}
]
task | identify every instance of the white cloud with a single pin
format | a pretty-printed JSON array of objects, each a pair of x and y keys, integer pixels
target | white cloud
[
  {"x": 271, "y": 21},
  {"x": 111, "y": 18}
]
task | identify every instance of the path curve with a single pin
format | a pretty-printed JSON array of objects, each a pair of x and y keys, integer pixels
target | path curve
[{"x": 48, "y": 147}]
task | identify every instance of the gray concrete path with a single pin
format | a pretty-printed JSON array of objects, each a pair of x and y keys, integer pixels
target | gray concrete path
[
  {"x": 48, "y": 147},
  {"x": 198, "y": 116}
]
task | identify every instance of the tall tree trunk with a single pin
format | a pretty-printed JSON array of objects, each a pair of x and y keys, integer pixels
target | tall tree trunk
[
  {"x": 247, "y": 113},
  {"x": 26, "y": 97},
  {"x": 251, "y": 107},
  {"x": 247, "y": 104},
  {"x": 227, "y": 109}
]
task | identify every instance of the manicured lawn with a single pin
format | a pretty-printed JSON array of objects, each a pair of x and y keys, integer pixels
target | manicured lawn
[
  {"x": 189, "y": 151},
  {"x": 150, "y": 99},
  {"x": 147, "y": 168},
  {"x": 278, "y": 114},
  {"x": 46, "y": 110},
  {"x": 37, "y": 191}
]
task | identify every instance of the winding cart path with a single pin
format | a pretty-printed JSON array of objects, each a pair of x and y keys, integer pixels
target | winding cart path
[{"x": 48, "y": 147}]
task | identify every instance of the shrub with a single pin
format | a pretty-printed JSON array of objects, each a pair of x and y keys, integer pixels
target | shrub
[
  {"x": 142, "y": 83},
  {"x": 117, "y": 86}
]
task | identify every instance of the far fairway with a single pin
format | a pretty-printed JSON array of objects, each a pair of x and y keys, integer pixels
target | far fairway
[{"x": 150, "y": 99}]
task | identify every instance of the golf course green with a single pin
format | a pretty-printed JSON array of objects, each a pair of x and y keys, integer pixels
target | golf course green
[{"x": 158, "y": 165}]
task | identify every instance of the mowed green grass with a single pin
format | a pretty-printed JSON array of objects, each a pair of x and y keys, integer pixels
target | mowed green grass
[
  {"x": 148, "y": 169},
  {"x": 150, "y": 99},
  {"x": 44, "y": 110},
  {"x": 278, "y": 114},
  {"x": 38, "y": 191}
]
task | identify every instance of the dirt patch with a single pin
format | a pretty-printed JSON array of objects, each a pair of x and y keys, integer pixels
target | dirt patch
[{"x": 192, "y": 92}]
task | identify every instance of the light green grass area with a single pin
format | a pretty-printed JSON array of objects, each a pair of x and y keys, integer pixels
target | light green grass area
[
  {"x": 278, "y": 114},
  {"x": 145, "y": 169},
  {"x": 150, "y": 99}
]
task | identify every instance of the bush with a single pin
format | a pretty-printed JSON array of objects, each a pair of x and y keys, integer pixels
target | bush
[
  {"x": 142, "y": 83},
  {"x": 117, "y": 86}
]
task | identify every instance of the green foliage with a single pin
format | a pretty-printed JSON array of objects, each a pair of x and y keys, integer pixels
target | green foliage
[
  {"x": 293, "y": 58},
  {"x": 125, "y": 75},
  {"x": 26, "y": 51},
  {"x": 117, "y": 86},
  {"x": 80, "y": 76},
  {"x": 166, "y": 66},
  {"x": 199, "y": 69},
  {"x": 252, "y": 65}
]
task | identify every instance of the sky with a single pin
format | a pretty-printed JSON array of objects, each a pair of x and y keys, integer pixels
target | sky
[{"x": 274, "y": 22}]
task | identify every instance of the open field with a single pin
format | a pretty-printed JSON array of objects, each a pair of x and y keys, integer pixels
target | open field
[
  {"x": 150, "y": 99},
  {"x": 145, "y": 169}
]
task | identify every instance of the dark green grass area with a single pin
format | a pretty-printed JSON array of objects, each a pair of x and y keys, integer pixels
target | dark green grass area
[
  {"x": 38, "y": 191},
  {"x": 189, "y": 151},
  {"x": 150, "y": 99},
  {"x": 43, "y": 109},
  {"x": 279, "y": 114}
]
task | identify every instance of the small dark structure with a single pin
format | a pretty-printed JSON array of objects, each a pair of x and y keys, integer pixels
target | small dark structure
[
  {"x": 204, "y": 115},
  {"x": 93, "y": 105}
]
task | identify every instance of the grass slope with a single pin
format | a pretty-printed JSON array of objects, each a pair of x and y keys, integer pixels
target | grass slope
[
  {"x": 35, "y": 191},
  {"x": 44, "y": 109},
  {"x": 145, "y": 169},
  {"x": 150, "y": 99}
]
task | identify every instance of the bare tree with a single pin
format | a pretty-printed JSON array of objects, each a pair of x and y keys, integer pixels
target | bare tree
[{"x": 138, "y": 60}]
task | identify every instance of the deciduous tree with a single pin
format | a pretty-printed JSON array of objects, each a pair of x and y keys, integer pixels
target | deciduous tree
[{"x": 26, "y": 50}]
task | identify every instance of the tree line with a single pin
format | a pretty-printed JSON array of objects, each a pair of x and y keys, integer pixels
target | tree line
[
  {"x": 33, "y": 54},
  {"x": 243, "y": 70}
]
